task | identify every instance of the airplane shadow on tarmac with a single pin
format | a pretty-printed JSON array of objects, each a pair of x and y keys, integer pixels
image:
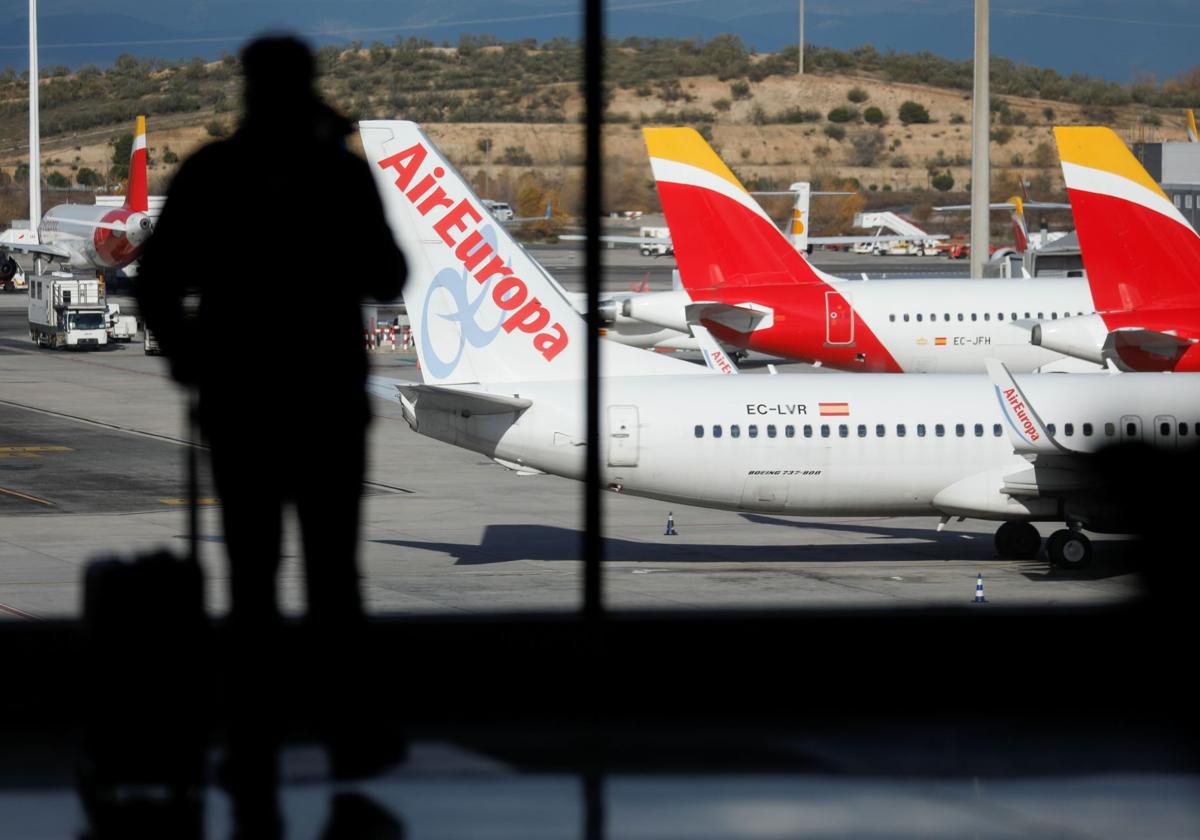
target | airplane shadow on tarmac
[
  {"x": 1112, "y": 555},
  {"x": 508, "y": 543}
]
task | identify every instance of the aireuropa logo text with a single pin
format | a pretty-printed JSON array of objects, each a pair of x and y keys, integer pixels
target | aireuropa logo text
[{"x": 457, "y": 223}]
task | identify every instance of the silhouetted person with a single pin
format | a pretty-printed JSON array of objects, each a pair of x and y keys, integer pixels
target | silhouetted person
[{"x": 253, "y": 282}]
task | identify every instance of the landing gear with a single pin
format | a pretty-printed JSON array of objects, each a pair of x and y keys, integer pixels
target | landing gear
[
  {"x": 1019, "y": 540},
  {"x": 1069, "y": 549}
]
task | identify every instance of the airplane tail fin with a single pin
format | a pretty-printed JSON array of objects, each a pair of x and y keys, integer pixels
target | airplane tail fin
[
  {"x": 722, "y": 237},
  {"x": 1020, "y": 229},
  {"x": 482, "y": 309},
  {"x": 798, "y": 232},
  {"x": 137, "y": 198},
  {"x": 1192, "y": 132},
  {"x": 1137, "y": 247}
]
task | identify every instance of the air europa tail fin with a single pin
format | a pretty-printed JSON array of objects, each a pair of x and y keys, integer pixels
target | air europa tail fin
[
  {"x": 137, "y": 198},
  {"x": 482, "y": 310},
  {"x": 1137, "y": 247},
  {"x": 722, "y": 238}
]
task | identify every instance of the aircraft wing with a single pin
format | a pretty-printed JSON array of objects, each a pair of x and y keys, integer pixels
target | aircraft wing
[
  {"x": 624, "y": 240},
  {"x": 1010, "y": 205},
  {"x": 854, "y": 240},
  {"x": 34, "y": 249}
]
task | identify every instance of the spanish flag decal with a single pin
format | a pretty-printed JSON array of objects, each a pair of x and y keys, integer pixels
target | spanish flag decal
[{"x": 835, "y": 409}]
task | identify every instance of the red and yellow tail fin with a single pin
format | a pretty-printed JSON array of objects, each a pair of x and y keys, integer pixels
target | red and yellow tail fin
[
  {"x": 1192, "y": 132},
  {"x": 722, "y": 238},
  {"x": 138, "y": 196},
  {"x": 1137, "y": 247},
  {"x": 1020, "y": 229}
]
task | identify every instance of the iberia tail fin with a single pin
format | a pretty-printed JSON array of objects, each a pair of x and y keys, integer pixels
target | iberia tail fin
[
  {"x": 1192, "y": 132},
  {"x": 482, "y": 309},
  {"x": 1137, "y": 247},
  {"x": 137, "y": 198},
  {"x": 1020, "y": 229},
  {"x": 722, "y": 237}
]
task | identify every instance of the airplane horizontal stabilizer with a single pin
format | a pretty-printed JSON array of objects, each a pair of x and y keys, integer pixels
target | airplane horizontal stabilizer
[
  {"x": 453, "y": 400},
  {"x": 1145, "y": 350},
  {"x": 740, "y": 318}
]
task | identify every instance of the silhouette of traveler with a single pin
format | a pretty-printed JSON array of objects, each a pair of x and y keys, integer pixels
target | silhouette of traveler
[{"x": 243, "y": 284}]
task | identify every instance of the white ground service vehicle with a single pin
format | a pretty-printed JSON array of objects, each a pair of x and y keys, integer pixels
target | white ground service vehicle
[
  {"x": 66, "y": 311},
  {"x": 500, "y": 209},
  {"x": 657, "y": 249},
  {"x": 120, "y": 327}
]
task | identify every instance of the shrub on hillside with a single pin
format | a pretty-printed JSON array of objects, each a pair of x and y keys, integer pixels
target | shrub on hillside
[
  {"x": 835, "y": 132},
  {"x": 857, "y": 95},
  {"x": 740, "y": 90},
  {"x": 875, "y": 116},
  {"x": 942, "y": 182},
  {"x": 842, "y": 114},
  {"x": 913, "y": 112},
  {"x": 866, "y": 147}
]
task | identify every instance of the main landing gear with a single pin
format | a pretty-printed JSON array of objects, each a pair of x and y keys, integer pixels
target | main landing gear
[{"x": 1066, "y": 548}]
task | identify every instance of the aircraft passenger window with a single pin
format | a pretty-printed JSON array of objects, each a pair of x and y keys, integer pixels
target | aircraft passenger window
[
  {"x": 699, "y": 431},
  {"x": 1014, "y": 317},
  {"x": 1198, "y": 428},
  {"x": 932, "y": 316},
  {"x": 1087, "y": 429},
  {"x": 974, "y": 317},
  {"x": 1068, "y": 429},
  {"x": 939, "y": 430},
  {"x": 1164, "y": 429},
  {"x": 946, "y": 317},
  {"x": 843, "y": 430},
  {"x": 899, "y": 430},
  {"x": 770, "y": 431},
  {"x": 735, "y": 430},
  {"x": 987, "y": 316},
  {"x": 960, "y": 316},
  {"x": 920, "y": 430},
  {"x": 892, "y": 318},
  {"x": 906, "y": 317},
  {"x": 1053, "y": 316},
  {"x": 862, "y": 430},
  {"x": 978, "y": 430},
  {"x": 1040, "y": 316},
  {"x": 880, "y": 430},
  {"x": 716, "y": 431},
  {"x": 753, "y": 429},
  {"x": 999, "y": 316},
  {"x": 919, "y": 316},
  {"x": 1110, "y": 429},
  {"x": 1052, "y": 429},
  {"x": 1026, "y": 315},
  {"x": 808, "y": 431},
  {"x": 824, "y": 430},
  {"x": 959, "y": 430},
  {"x": 996, "y": 430},
  {"x": 789, "y": 431},
  {"x": 1130, "y": 429},
  {"x": 1183, "y": 429}
]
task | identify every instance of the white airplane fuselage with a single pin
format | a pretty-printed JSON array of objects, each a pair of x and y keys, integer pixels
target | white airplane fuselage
[
  {"x": 74, "y": 227},
  {"x": 886, "y": 456}
]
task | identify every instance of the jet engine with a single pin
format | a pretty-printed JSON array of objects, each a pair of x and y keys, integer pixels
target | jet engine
[
  {"x": 1082, "y": 337},
  {"x": 663, "y": 309},
  {"x": 8, "y": 269}
]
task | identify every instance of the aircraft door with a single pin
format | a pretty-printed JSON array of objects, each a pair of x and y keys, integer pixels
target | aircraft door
[
  {"x": 839, "y": 320},
  {"x": 622, "y": 436},
  {"x": 765, "y": 492},
  {"x": 1164, "y": 431},
  {"x": 1131, "y": 428}
]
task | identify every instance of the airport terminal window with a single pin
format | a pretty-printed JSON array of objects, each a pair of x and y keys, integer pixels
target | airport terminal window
[
  {"x": 900, "y": 430},
  {"x": 1068, "y": 429},
  {"x": 716, "y": 431},
  {"x": 920, "y": 430},
  {"x": 789, "y": 431},
  {"x": 808, "y": 431},
  {"x": 770, "y": 431},
  {"x": 843, "y": 430},
  {"x": 880, "y": 430},
  {"x": 1087, "y": 429},
  {"x": 699, "y": 431},
  {"x": 978, "y": 430},
  {"x": 1109, "y": 429},
  {"x": 824, "y": 430},
  {"x": 959, "y": 430},
  {"x": 735, "y": 430},
  {"x": 939, "y": 430},
  {"x": 753, "y": 430},
  {"x": 862, "y": 430}
]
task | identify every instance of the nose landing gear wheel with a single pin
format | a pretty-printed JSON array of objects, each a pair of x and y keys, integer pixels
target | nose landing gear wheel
[{"x": 1069, "y": 549}]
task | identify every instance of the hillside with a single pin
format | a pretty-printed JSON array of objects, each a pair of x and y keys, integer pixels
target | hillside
[{"x": 771, "y": 126}]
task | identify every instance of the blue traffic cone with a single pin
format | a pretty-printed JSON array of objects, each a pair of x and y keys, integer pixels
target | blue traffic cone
[
  {"x": 979, "y": 599},
  {"x": 670, "y": 532}
]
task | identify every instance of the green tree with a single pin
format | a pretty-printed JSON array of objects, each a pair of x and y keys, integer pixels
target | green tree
[
  {"x": 740, "y": 90},
  {"x": 122, "y": 148},
  {"x": 58, "y": 180},
  {"x": 857, "y": 95},
  {"x": 87, "y": 177},
  {"x": 216, "y": 128},
  {"x": 913, "y": 112},
  {"x": 942, "y": 182},
  {"x": 842, "y": 114},
  {"x": 875, "y": 116}
]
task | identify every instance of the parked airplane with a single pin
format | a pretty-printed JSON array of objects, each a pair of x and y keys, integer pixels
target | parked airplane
[
  {"x": 753, "y": 291},
  {"x": 1142, "y": 260},
  {"x": 502, "y": 356},
  {"x": 1023, "y": 241},
  {"x": 90, "y": 237}
]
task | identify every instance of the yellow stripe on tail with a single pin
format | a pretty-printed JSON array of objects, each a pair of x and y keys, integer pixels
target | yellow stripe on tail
[
  {"x": 1100, "y": 148},
  {"x": 685, "y": 145}
]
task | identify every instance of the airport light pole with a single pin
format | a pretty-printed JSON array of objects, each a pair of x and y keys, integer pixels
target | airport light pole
[
  {"x": 801, "y": 37},
  {"x": 35, "y": 151},
  {"x": 980, "y": 130}
]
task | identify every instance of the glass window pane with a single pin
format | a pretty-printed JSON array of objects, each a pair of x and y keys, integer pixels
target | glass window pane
[
  {"x": 843, "y": 430},
  {"x": 978, "y": 430},
  {"x": 735, "y": 430},
  {"x": 789, "y": 431},
  {"x": 939, "y": 430},
  {"x": 1087, "y": 429},
  {"x": 824, "y": 430},
  {"x": 900, "y": 430},
  {"x": 716, "y": 431},
  {"x": 699, "y": 431},
  {"x": 770, "y": 431},
  {"x": 880, "y": 430},
  {"x": 959, "y": 430},
  {"x": 753, "y": 430},
  {"x": 862, "y": 431},
  {"x": 920, "y": 430}
]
